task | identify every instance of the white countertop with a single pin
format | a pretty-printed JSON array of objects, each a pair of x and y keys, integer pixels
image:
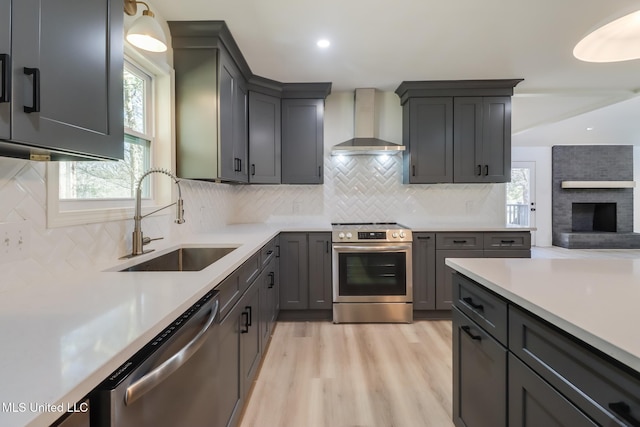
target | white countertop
[
  {"x": 63, "y": 335},
  {"x": 595, "y": 300}
]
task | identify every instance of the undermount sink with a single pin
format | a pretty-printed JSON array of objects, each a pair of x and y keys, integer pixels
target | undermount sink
[{"x": 183, "y": 259}]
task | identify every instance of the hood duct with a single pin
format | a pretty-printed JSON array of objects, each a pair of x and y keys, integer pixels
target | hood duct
[{"x": 365, "y": 141}]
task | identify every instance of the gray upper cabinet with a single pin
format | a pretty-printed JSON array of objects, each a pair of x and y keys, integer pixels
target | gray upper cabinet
[
  {"x": 457, "y": 131},
  {"x": 302, "y": 141},
  {"x": 63, "y": 77},
  {"x": 5, "y": 68},
  {"x": 428, "y": 136},
  {"x": 264, "y": 138},
  {"x": 482, "y": 139}
]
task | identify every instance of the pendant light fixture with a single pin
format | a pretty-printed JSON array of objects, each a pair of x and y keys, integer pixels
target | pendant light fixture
[
  {"x": 145, "y": 32},
  {"x": 618, "y": 40}
]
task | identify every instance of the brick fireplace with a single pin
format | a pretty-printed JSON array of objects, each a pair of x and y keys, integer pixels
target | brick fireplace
[{"x": 593, "y": 209}]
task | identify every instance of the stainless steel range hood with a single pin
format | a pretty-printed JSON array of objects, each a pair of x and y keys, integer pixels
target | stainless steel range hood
[{"x": 365, "y": 141}]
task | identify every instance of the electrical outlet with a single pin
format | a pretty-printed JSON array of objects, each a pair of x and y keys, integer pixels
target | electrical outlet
[{"x": 15, "y": 239}]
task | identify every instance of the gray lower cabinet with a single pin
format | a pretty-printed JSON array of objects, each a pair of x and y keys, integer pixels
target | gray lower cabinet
[
  {"x": 552, "y": 378},
  {"x": 479, "y": 375},
  {"x": 269, "y": 287},
  {"x": 63, "y": 88},
  {"x": 264, "y": 139},
  {"x": 494, "y": 244},
  {"x": 250, "y": 349},
  {"x": 305, "y": 271},
  {"x": 302, "y": 141},
  {"x": 424, "y": 271},
  {"x": 229, "y": 397}
]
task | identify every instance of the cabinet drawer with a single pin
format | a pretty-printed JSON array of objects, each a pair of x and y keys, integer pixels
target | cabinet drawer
[
  {"x": 229, "y": 292},
  {"x": 267, "y": 252},
  {"x": 508, "y": 253},
  {"x": 483, "y": 307},
  {"x": 602, "y": 389},
  {"x": 506, "y": 241},
  {"x": 459, "y": 241},
  {"x": 249, "y": 271}
]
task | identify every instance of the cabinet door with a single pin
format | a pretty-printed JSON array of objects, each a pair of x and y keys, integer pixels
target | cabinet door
[
  {"x": 496, "y": 139},
  {"x": 427, "y": 133},
  {"x": 294, "y": 271},
  {"x": 479, "y": 376},
  {"x": 73, "y": 54},
  {"x": 229, "y": 396},
  {"x": 231, "y": 104},
  {"x": 444, "y": 288},
  {"x": 468, "y": 163},
  {"x": 267, "y": 282},
  {"x": 533, "y": 402},
  {"x": 424, "y": 271},
  {"x": 5, "y": 68},
  {"x": 320, "y": 292},
  {"x": 302, "y": 141},
  {"x": 264, "y": 139},
  {"x": 250, "y": 350}
]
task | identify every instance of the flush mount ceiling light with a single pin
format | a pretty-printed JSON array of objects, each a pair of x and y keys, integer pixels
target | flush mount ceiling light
[
  {"x": 618, "y": 40},
  {"x": 145, "y": 32}
]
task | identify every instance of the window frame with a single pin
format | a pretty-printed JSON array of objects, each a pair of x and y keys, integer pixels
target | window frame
[{"x": 61, "y": 213}]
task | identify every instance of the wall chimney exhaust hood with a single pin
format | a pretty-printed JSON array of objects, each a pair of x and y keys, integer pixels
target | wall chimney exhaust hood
[{"x": 365, "y": 141}]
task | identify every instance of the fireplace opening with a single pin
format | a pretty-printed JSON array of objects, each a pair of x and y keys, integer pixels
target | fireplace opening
[{"x": 593, "y": 217}]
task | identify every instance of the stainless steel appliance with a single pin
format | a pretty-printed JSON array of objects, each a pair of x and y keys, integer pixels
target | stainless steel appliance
[
  {"x": 170, "y": 381},
  {"x": 372, "y": 273}
]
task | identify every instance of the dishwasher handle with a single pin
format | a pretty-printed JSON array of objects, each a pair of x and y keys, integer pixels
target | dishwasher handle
[{"x": 155, "y": 377}]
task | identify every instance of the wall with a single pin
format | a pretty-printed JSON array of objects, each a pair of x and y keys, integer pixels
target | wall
[{"x": 369, "y": 188}]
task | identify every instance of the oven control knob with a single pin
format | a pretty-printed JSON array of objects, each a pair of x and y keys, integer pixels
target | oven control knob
[
  {"x": 394, "y": 235},
  {"x": 349, "y": 235},
  {"x": 341, "y": 235},
  {"x": 402, "y": 235}
]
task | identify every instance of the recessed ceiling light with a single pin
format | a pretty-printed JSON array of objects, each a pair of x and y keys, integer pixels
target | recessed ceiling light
[
  {"x": 323, "y": 43},
  {"x": 589, "y": 128}
]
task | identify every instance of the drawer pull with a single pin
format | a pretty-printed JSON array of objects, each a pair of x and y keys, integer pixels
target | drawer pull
[
  {"x": 245, "y": 328},
  {"x": 507, "y": 241},
  {"x": 459, "y": 241},
  {"x": 467, "y": 330},
  {"x": 624, "y": 411},
  {"x": 469, "y": 301}
]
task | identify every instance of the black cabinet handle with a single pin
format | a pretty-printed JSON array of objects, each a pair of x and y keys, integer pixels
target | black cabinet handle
[
  {"x": 277, "y": 251},
  {"x": 469, "y": 301},
  {"x": 5, "y": 90},
  {"x": 253, "y": 169},
  {"x": 413, "y": 170},
  {"x": 245, "y": 327},
  {"x": 269, "y": 252},
  {"x": 624, "y": 411},
  {"x": 35, "y": 103},
  {"x": 250, "y": 315},
  {"x": 237, "y": 164},
  {"x": 320, "y": 171},
  {"x": 467, "y": 330},
  {"x": 424, "y": 237},
  {"x": 327, "y": 246},
  {"x": 272, "y": 276},
  {"x": 486, "y": 170},
  {"x": 479, "y": 170},
  {"x": 459, "y": 241},
  {"x": 507, "y": 241}
]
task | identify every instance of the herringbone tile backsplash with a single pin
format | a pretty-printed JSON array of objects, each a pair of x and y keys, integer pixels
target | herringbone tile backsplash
[{"x": 359, "y": 188}]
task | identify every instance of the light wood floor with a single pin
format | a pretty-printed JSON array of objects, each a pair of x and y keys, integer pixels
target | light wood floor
[{"x": 318, "y": 374}]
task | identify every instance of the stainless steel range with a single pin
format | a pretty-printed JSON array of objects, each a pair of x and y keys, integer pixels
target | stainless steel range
[{"x": 372, "y": 273}]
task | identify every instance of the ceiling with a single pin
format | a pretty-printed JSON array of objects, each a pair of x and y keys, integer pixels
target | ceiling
[{"x": 380, "y": 43}]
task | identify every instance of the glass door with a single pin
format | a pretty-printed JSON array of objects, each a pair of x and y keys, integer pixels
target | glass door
[{"x": 521, "y": 205}]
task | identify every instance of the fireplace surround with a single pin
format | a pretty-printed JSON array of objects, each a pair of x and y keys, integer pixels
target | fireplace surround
[{"x": 593, "y": 218}]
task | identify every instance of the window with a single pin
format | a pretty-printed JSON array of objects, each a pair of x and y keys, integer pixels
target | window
[
  {"x": 87, "y": 192},
  {"x": 117, "y": 180}
]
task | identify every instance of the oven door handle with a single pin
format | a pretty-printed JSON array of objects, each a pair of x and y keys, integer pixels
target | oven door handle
[{"x": 376, "y": 248}]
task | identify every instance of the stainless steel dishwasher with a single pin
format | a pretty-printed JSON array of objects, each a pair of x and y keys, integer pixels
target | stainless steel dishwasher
[{"x": 170, "y": 381}]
